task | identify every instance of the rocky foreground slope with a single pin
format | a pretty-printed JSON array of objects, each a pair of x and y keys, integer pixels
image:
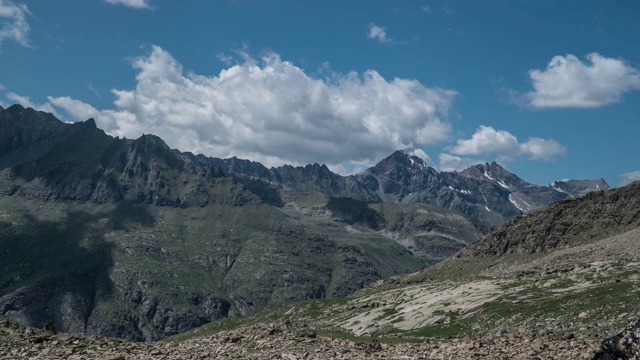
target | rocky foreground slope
[
  {"x": 289, "y": 341},
  {"x": 280, "y": 340}
]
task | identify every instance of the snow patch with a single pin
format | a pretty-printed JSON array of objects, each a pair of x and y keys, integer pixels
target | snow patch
[
  {"x": 485, "y": 199},
  {"x": 515, "y": 203},
  {"x": 486, "y": 174},
  {"x": 556, "y": 188},
  {"x": 460, "y": 190},
  {"x": 502, "y": 183}
]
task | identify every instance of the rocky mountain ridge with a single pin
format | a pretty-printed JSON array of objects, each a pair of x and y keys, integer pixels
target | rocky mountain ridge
[
  {"x": 290, "y": 341},
  {"x": 40, "y": 158},
  {"x": 485, "y": 192},
  {"x": 579, "y": 187}
]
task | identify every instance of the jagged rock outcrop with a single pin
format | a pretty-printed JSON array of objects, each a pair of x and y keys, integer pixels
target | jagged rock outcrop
[
  {"x": 42, "y": 158},
  {"x": 309, "y": 178},
  {"x": 624, "y": 345}
]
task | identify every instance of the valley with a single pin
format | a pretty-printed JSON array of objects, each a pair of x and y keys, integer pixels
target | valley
[{"x": 128, "y": 239}]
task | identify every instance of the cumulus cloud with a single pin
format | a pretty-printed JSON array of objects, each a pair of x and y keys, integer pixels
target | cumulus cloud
[
  {"x": 448, "y": 162},
  {"x": 487, "y": 140},
  {"x": 13, "y": 22},
  {"x": 26, "y": 102},
  {"x": 135, "y": 4},
  {"x": 270, "y": 110},
  {"x": 568, "y": 82},
  {"x": 378, "y": 32},
  {"x": 629, "y": 177}
]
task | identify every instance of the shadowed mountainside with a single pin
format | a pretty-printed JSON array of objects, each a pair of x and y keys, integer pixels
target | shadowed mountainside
[{"x": 128, "y": 238}]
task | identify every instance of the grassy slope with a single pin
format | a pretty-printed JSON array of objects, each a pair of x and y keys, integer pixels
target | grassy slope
[
  {"x": 140, "y": 260},
  {"x": 588, "y": 286}
]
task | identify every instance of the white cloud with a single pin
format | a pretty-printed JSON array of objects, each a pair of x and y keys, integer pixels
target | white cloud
[
  {"x": 26, "y": 102},
  {"x": 135, "y": 4},
  {"x": 426, "y": 9},
  {"x": 13, "y": 22},
  {"x": 487, "y": 140},
  {"x": 378, "y": 32},
  {"x": 629, "y": 177},
  {"x": 448, "y": 9},
  {"x": 568, "y": 82},
  {"x": 347, "y": 169},
  {"x": 542, "y": 149},
  {"x": 108, "y": 120},
  {"x": 448, "y": 162},
  {"x": 271, "y": 111}
]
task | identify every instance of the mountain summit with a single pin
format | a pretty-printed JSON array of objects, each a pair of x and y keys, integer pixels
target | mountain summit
[{"x": 398, "y": 177}]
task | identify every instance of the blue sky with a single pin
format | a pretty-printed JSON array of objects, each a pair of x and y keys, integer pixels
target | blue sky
[{"x": 549, "y": 89}]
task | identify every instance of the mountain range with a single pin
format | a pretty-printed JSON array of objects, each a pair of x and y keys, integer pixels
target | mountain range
[
  {"x": 558, "y": 283},
  {"x": 129, "y": 238},
  {"x": 485, "y": 192}
]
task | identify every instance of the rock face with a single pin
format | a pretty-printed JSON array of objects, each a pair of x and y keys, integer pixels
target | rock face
[{"x": 624, "y": 345}]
